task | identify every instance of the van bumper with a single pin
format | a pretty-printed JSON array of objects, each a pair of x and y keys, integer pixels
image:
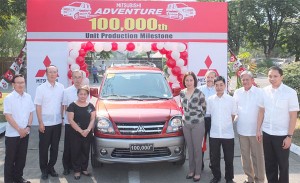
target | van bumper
[{"x": 171, "y": 149}]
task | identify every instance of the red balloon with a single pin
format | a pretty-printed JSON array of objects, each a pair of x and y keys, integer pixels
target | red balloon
[
  {"x": 163, "y": 51},
  {"x": 183, "y": 55},
  {"x": 185, "y": 61},
  {"x": 171, "y": 63},
  {"x": 82, "y": 52},
  {"x": 69, "y": 74},
  {"x": 83, "y": 45},
  {"x": 168, "y": 54},
  {"x": 176, "y": 71},
  {"x": 180, "y": 78},
  {"x": 80, "y": 60},
  {"x": 154, "y": 47},
  {"x": 114, "y": 46},
  {"x": 130, "y": 47},
  {"x": 89, "y": 46},
  {"x": 83, "y": 66},
  {"x": 181, "y": 85}
]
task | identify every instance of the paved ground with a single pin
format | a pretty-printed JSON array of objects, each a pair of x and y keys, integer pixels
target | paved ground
[{"x": 129, "y": 173}]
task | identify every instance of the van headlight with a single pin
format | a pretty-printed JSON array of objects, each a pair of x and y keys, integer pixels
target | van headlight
[
  {"x": 104, "y": 125},
  {"x": 175, "y": 124}
]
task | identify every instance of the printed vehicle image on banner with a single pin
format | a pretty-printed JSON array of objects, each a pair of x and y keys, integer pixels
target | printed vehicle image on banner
[{"x": 126, "y": 20}]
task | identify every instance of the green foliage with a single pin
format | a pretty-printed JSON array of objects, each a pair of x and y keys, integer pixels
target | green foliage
[
  {"x": 12, "y": 40},
  {"x": 291, "y": 73},
  {"x": 9, "y": 9},
  {"x": 263, "y": 66}
]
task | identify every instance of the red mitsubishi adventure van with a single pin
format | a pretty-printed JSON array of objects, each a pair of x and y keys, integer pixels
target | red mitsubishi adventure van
[{"x": 137, "y": 118}]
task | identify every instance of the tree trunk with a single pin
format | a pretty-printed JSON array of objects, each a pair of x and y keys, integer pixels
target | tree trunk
[{"x": 297, "y": 58}]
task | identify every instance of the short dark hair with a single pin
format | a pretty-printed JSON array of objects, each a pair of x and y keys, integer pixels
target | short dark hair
[
  {"x": 190, "y": 74},
  {"x": 85, "y": 88},
  {"x": 17, "y": 76},
  {"x": 276, "y": 68},
  {"x": 219, "y": 78}
]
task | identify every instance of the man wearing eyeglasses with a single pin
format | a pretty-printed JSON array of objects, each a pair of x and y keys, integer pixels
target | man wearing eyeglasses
[{"x": 18, "y": 109}]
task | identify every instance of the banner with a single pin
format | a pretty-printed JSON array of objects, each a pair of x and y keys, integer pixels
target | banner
[{"x": 126, "y": 21}]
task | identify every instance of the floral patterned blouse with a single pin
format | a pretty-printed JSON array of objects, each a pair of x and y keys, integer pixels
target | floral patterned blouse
[{"x": 194, "y": 108}]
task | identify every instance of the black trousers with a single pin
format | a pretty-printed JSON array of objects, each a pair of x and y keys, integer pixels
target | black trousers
[
  {"x": 207, "y": 121},
  {"x": 15, "y": 158},
  {"x": 80, "y": 151},
  {"x": 48, "y": 139},
  {"x": 228, "y": 151},
  {"x": 276, "y": 158},
  {"x": 66, "y": 159}
]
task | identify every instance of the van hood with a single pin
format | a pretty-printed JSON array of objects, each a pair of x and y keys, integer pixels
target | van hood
[{"x": 138, "y": 111}]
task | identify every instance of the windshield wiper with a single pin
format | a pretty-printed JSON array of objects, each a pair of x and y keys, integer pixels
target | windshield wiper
[
  {"x": 150, "y": 97},
  {"x": 116, "y": 96}
]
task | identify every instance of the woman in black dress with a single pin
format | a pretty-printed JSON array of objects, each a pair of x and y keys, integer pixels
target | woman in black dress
[{"x": 81, "y": 115}]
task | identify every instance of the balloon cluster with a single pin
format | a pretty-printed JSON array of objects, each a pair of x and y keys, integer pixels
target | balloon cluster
[
  {"x": 177, "y": 60},
  {"x": 176, "y": 55}
]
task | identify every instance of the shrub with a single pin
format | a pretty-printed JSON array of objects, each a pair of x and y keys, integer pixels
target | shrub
[{"x": 291, "y": 73}]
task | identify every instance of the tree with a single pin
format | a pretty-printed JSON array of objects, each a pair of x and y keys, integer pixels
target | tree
[
  {"x": 12, "y": 40},
  {"x": 265, "y": 20},
  {"x": 290, "y": 39},
  {"x": 236, "y": 25},
  {"x": 9, "y": 9}
]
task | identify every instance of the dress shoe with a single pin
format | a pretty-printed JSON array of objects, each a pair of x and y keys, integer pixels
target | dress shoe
[
  {"x": 229, "y": 181},
  {"x": 53, "y": 173},
  {"x": 22, "y": 180},
  {"x": 196, "y": 179},
  {"x": 85, "y": 173},
  {"x": 44, "y": 175},
  {"x": 189, "y": 176},
  {"x": 215, "y": 180},
  {"x": 66, "y": 172},
  {"x": 77, "y": 176}
]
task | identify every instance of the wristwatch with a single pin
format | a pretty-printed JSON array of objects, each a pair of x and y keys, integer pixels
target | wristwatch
[
  {"x": 62, "y": 117},
  {"x": 289, "y": 136}
]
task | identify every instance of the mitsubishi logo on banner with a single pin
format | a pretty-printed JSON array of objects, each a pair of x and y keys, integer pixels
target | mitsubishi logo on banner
[
  {"x": 46, "y": 62},
  {"x": 208, "y": 63}
]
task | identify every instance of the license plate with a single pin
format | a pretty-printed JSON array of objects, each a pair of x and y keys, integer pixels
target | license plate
[{"x": 141, "y": 148}]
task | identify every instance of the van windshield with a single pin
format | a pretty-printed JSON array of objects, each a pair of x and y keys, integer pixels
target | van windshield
[{"x": 135, "y": 86}]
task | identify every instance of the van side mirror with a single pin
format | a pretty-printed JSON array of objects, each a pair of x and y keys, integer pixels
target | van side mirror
[
  {"x": 94, "y": 92},
  {"x": 176, "y": 91}
]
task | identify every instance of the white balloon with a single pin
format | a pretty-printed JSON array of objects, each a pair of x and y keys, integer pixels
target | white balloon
[
  {"x": 176, "y": 85},
  {"x": 172, "y": 78},
  {"x": 121, "y": 46},
  {"x": 74, "y": 54},
  {"x": 146, "y": 47},
  {"x": 71, "y": 61},
  {"x": 98, "y": 47},
  {"x": 184, "y": 69},
  {"x": 169, "y": 71},
  {"x": 175, "y": 55},
  {"x": 180, "y": 62},
  {"x": 181, "y": 47},
  {"x": 160, "y": 46},
  {"x": 74, "y": 67},
  {"x": 107, "y": 46},
  {"x": 168, "y": 46},
  {"x": 85, "y": 81}
]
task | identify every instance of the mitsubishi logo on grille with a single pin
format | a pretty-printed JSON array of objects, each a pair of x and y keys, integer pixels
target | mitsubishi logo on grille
[{"x": 140, "y": 129}]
